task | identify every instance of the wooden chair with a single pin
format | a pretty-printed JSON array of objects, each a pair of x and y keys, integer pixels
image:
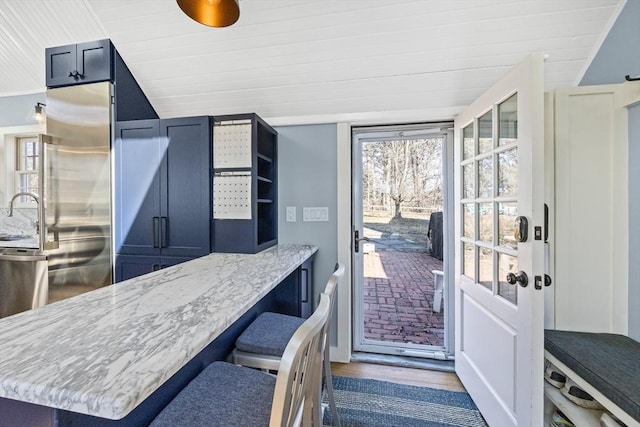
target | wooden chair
[
  {"x": 228, "y": 395},
  {"x": 262, "y": 343}
]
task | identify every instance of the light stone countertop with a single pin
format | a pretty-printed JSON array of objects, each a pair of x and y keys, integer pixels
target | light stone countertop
[
  {"x": 102, "y": 353},
  {"x": 21, "y": 224}
]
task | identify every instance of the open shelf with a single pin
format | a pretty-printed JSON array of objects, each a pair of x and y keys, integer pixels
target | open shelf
[
  {"x": 578, "y": 415},
  {"x": 257, "y": 230},
  {"x": 265, "y": 158}
]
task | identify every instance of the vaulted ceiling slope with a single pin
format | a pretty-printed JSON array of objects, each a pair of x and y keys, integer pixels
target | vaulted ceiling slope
[{"x": 304, "y": 61}]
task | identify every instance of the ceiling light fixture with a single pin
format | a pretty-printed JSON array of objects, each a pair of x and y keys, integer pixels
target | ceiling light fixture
[
  {"x": 40, "y": 111},
  {"x": 214, "y": 13}
]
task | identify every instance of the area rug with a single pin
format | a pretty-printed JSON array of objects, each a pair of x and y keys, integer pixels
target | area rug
[{"x": 373, "y": 403}]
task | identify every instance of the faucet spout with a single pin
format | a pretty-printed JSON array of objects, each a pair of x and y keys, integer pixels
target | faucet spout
[{"x": 22, "y": 193}]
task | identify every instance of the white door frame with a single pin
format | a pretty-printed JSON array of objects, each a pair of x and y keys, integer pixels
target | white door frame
[
  {"x": 445, "y": 131},
  {"x": 341, "y": 351}
]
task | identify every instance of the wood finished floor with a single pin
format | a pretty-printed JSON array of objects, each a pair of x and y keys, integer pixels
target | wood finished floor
[{"x": 410, "y": 376}]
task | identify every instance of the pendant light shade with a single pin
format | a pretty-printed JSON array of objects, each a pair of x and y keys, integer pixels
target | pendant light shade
[{"x": 214, "y": 13}]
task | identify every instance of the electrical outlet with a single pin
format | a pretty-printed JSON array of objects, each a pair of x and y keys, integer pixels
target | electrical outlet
[
  {"x": 315, "y": 214},
  {"x": 291, "y": 214}
]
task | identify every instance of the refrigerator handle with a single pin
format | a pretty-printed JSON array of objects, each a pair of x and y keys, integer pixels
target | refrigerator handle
[
  {"x": 154, "y": 231},
  {"x": 164, "y": 230}
]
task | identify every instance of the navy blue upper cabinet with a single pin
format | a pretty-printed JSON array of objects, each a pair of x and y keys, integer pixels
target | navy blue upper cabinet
[
  {"x": 98, "y": 61},
  {"x": 79, "y": 63},
  {"x": 162, "y": 187}
]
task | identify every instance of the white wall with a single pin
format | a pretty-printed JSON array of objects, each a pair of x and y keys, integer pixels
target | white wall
[{"x": 618, "y": 56}]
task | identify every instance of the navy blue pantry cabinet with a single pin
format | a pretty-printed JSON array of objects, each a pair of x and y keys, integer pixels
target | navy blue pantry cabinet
[{"x": 162, "y": 193}]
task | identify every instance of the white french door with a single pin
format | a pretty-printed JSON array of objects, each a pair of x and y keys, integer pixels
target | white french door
[{"x": 499, "y": 169}]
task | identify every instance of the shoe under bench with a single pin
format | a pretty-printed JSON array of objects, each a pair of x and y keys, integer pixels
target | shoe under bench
[{"x": 607, "y": 366}]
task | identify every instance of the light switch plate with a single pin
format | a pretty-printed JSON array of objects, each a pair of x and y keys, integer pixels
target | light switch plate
[
  {"x": 315, "y": 214},
  {"x": 291, "y": 214}
]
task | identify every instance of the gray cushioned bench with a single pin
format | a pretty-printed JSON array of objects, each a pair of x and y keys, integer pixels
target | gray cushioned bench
[{"x": 609, "y": 362}]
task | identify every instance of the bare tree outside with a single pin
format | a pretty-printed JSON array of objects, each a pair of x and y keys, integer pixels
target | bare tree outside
[{"x": 402, "y": 185}]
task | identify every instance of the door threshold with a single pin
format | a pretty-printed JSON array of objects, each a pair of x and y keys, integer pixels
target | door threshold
[{"x": 404, "y": 361}]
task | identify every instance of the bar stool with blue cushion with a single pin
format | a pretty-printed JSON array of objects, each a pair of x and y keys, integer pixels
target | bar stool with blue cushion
[
  {"x": 261, "y": 345},
  {"x": 227, "y": 395}
]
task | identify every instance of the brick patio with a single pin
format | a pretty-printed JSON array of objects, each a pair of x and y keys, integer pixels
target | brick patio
[{"x": 398, "y": 296}]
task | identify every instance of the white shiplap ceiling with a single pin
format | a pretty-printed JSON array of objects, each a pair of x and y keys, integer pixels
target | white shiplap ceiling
[{"x": 304, "y": 61}]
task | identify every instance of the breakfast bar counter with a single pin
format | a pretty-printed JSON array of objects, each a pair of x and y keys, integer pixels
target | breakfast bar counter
[{"x": 105, "y": 352}]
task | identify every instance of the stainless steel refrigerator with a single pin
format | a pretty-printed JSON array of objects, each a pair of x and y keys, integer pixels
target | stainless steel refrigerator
[{"x": 74, "y": 205}]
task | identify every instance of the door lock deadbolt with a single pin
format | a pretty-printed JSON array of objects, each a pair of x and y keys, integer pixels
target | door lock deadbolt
[{"x": 521, "y": 229}]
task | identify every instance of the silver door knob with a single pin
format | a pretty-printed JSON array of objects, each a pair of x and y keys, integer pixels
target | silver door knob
[{"x": 520, "y": 277}]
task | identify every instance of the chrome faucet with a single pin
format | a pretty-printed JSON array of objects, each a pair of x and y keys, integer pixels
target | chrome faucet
[{"x": 22, "y": 193}]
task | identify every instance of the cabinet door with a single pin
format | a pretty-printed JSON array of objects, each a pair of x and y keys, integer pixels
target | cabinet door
[
  {"x": 137, "y": 188},
  {"x": 185, "y": 187},
  {"x": 60, "y": 63},
  {"x": 130, "y": 266},
  {"x": 94, "y": 61},
  {"x": 79, "y": 63}
]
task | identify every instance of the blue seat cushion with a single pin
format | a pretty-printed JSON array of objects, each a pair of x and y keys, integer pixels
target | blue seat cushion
[
  {"x": 223, "y": 395},
  {"x": 269, "y": 334}
]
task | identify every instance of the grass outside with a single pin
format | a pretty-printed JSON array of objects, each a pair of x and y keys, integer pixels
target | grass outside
[{"x": 411, "y": 226}]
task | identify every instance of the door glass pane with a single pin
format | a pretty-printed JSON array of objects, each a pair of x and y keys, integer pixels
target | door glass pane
[
  {"x": 485, "y": 133},
  {"x": 485, "y": 263},
  {"x": 507, "y": 213},
  {"x": 508, "y": 172},
  {"x": 485, "y": 217},
  {"x": 401, "y": 202},
  {"x": 467, "y": 182},
  {"x": 467, "y": 142},
  {"x": 468, "y": 263},
  {"x": 508, "y": 121},
  {"x": 507, "y": 264},
  {"x": 468, "y": 224},
  {"x": 485, "y": 177}
]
